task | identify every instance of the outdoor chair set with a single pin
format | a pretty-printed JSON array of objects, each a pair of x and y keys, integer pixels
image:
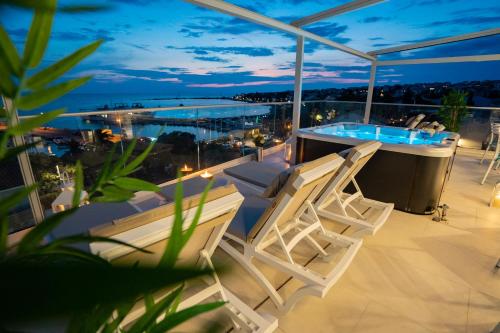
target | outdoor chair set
[{"x": 255, "y": 228}]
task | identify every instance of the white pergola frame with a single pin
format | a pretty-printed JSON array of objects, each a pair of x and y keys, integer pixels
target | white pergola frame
[{"x": 294, "y": 28}]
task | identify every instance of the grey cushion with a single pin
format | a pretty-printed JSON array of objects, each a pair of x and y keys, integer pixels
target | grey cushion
[
  {"x": 90, "y": 216},
  {"x": 191, "y": 187},
  {"x": 257, "y": 173},
  {"x": 249, "y": 213},
  {"x": 344, "y": 152},
  {"x": 277, "y": 184}
]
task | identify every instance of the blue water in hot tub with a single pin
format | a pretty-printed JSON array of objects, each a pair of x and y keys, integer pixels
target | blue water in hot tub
[{"x": 384, "y": 134}]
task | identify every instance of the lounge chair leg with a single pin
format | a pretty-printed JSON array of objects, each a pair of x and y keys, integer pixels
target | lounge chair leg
[
  {"x": 245, "y": 261},
  {"x": 487, "y": 172},
  {"x": 487, "y": 148}
]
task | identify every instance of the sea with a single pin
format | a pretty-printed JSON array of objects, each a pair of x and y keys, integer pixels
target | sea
[{"x": 75, "y": 103}]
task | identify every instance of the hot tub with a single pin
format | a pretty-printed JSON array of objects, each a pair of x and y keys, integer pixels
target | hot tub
[{"x": 410, "y": 169}]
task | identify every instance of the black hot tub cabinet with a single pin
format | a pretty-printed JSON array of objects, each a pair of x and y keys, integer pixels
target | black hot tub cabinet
[{"x": 410, "y": 176}]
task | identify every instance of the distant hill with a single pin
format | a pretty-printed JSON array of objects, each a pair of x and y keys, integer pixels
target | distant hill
[{"x": 480, "y": 93}]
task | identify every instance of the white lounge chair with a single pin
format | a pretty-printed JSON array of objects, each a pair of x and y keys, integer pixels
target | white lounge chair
[
  {"x": 495, "y": 132},
  {"x": 353, "y": 209},
  {"x": 414, "y": 121},
  {"x": 151, "y": 230},
  {"x": 270, "y": 231}
]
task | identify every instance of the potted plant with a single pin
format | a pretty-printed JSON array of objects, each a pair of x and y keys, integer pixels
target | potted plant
[{"x": 453, "y": 109}]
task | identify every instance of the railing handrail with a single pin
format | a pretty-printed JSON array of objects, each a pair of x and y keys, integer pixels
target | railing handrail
[{"x": 212, "y": 106}]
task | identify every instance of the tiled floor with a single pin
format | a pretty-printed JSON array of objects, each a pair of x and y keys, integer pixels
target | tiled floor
[{"x": 414, "y": 275}]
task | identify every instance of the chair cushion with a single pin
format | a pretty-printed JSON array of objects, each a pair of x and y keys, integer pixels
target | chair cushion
[
  {"x": 191, "y": 187},
  {"x": 247, "y": 216},
  {"x": 277, "y": 184},
  {"x": 256, "y": 173}
]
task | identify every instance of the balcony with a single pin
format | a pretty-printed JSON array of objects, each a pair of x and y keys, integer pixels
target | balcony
[
  {"x": 415, "y": 274},
  {"x": 325, "y": 215}
]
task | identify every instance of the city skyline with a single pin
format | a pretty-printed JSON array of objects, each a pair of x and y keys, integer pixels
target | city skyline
[{"x": 175, "y": 48}]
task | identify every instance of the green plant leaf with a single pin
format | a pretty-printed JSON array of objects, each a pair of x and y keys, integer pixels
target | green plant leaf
[
  {"x": 92, "y": 320},
  {"x": 174, "y": 245},
  {"x": 121, "y": 312},
  {"x": 77, "y": 195},
  {"x": 148, "y": 319},
  {"x": 11, "y": 201},
  {"x": 65, "y": 253},
  {"x": 43, "y": 96},
  {"x": 7, "y": 86},
  {"x": 135, "y": 184},
  {"x": 14, "y": 151},
  {"x": 68, "y": 288},
  {"x": 89, "y": 239},
  {"x": 50, "y": 6},
  {"x": 8, "y": 53},
  {"x": 4, "y": 233},
  {"x": 53, "y": 72},
  {"x": 196, "y": 218},
  {"x": 38, "y": 35},
  {"x": 122, "y": 161},
  {"x": 3, "y": 113},
  {"x": 179, "y": 317},
  {"x": 103, "y": 175},
  {"x": 132, "y": 166},
  {"x": 112, "y": 193},
  {"x": 26, "y": 126},
  {"x": 34, "y": 238}
]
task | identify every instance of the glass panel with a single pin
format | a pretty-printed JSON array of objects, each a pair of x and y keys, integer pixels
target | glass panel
[
  {"x": 197, "y": 138},
  {"x": 327, "y": 112},
  {"x": 11, "y": 180},
  {"x": 474, "y": 129}
]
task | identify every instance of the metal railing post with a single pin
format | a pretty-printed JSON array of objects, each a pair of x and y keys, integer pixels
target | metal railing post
[
  {"x": 297, "y": 93},
  {"x": 369, "y": 97},
  {"x": 24, "y": 164}
]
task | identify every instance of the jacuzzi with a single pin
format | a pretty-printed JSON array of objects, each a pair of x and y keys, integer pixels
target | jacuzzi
[{"x": 410, "y": 169}]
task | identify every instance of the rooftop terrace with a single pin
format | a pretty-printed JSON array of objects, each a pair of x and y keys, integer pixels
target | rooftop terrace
[{"x": 431, "y": 264}]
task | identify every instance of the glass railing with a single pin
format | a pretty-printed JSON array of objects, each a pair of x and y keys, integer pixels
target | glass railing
[
  {"x": 474, "y": 129},
  {"x": 316, "y": 113},
  {"x": 196, "y": 137},
  {"x": 193, "y": 137}
]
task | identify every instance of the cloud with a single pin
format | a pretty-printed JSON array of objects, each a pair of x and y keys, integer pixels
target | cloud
[
  {"x": 275, "y": 82},
  {"x": 211, "y": 59},
  {"x": 135, "y": 2},
  {"x": 391, "y": 75},
  {"x": 120, "y": 75},
  {"x": 240, "y": 50},
  {"x": 143, "y": 47},
  {"x": 330, "y": 31},
  {"x": 21, "y": 32},
  {"x": 190, "y": 33},
  {"x": 470, "y": 20},
  {"x": 217, "y": 25},
  {"x": 85, "y": 34},
  {"x": 373, "y": 19}
]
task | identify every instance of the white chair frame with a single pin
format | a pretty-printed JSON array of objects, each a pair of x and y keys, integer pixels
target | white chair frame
[
  {"x": 306, "y": 224},
  {"x": 244, "y": 318},
  {"x": 344, "y": 200}
]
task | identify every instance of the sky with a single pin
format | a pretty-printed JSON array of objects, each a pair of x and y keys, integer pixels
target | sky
[{"x": 176, "y": 49}]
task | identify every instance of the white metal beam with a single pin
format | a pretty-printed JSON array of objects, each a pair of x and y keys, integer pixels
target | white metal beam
[
  {"x": 248, "y": 15},
  {"x": 476, "y": 58},
  {"x": 348, "y": 7},
  {"x": 438, "y": 41},
  {"x": 369, "y": 96},
  {"x": 297, "y": 93}
]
